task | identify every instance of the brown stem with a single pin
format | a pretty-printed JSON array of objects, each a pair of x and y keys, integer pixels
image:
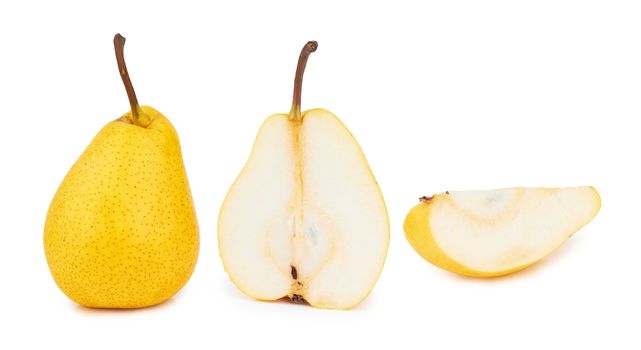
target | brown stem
[
  {"x": 310, "y": 47},
  {"x": 119, "y": 46}
]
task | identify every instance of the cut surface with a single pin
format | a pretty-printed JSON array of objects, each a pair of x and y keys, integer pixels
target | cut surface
[
  {"x": 305, "y": 218},
  {"x": 490, "y": 233}
]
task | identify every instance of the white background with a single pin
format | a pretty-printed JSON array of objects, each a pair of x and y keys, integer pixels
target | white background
[{"x": 441, "y": 95}]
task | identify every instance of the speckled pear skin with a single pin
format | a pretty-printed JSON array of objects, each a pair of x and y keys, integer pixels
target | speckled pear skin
[{"x": 121, "y": 231}]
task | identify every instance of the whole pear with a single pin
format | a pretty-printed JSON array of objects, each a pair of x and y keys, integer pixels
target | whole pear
[{"x": 121, "y": 231}]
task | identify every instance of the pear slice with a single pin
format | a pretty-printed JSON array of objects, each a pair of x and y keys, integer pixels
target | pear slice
[
  {"x": 496, "y": 232},
  {"x": 305, "y": 219}
]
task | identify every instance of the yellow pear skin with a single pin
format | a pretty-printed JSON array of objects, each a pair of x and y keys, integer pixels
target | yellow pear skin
[{"x": 121, "y": 231}]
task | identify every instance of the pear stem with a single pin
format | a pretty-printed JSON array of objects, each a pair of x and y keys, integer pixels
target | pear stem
[
  {"x": 119, "y": 46},
  {"x": 310, "y": 47}
]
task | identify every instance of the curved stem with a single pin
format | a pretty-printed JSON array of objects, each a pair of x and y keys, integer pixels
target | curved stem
[
  {"x": 119, "y": 46},
  {"x": 310, "y": 47}
]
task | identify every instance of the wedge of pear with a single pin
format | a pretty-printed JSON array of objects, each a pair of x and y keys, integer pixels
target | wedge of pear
[
  {"x": 497, "y": 232},
  {"x": 121, "y": 231},
  {"x": 305, "y": 219}
]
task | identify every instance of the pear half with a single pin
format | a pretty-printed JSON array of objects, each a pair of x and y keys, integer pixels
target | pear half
[
  {"x": 305, "y": 218},
  {"x": 496, "y": 232}
]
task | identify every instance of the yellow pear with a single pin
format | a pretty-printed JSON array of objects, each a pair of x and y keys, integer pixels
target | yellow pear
[
  {"x": 121, "y": 231},
  {"x": 305, "y": 218},
  {"x": 497, "y": 232}
]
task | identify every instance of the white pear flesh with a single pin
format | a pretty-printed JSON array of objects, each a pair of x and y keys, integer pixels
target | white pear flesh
[
  {"x": 496, "y": 232},
  {"x": 306, "y": 205}
]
